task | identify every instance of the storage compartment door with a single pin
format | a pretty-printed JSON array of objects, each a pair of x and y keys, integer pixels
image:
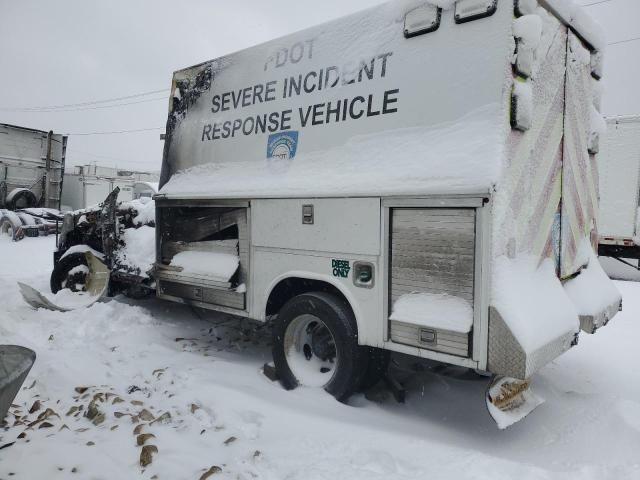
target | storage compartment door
[{"x": 431, "y": 285}]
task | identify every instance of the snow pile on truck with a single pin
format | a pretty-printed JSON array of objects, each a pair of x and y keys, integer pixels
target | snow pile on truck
[
  {"x": 219, "y": 265},
  {"x": 434, "y": 310},
  {"x": 452, "y": 157},
  {"x": 138, "y": 251}
]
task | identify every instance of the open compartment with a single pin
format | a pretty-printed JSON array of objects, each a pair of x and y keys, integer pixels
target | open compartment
[{"x": 203, "y": 253}]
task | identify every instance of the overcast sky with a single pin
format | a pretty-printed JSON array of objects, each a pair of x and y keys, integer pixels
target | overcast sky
[{"x": 71, "y": 51}]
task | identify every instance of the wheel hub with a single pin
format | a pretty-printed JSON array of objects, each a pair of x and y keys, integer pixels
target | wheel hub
[
  {"x": 77, "y": 280},
  {"x": 311, "y": 351},
  {"x": 322, "y": 344}
]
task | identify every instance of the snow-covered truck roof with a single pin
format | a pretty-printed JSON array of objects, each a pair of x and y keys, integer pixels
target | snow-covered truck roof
[
  {"x": 403, "y": 98},
  {"x": 352, "y": 107}
]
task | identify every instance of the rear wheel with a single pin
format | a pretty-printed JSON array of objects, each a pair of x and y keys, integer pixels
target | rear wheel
[
  {"x": 315, "y": 344},
  {"x": 6, "y": 228},
  {"x": 10, "y": 225},
  {"x": 70, "y": 272}
]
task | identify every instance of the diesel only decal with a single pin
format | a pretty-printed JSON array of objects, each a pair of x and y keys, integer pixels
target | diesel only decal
[{"x": 340, "y": 268}]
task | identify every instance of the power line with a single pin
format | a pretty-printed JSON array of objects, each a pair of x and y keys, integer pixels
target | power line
[
  {"x": 88, "y": 103},
  {"x": 115, "y": 132},
  {"x": 596, "y": 3},
  {"x": 97, "y": 107},
  {"x": 625, "y": 41},
  {"x": 76, "y": 151},
  {"x": 120, "y": 160}
]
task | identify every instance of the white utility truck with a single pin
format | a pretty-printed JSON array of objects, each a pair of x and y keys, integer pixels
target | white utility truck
[
  {"x": 410, "y": 179},
  {"x": 619, "y": 167}
]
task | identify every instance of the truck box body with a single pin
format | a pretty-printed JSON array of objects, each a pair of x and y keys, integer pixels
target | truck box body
[
  {"x": 31, "y": 166},
  {"x": 619, "y": 166},
  {"x": 407, "y": 158}
]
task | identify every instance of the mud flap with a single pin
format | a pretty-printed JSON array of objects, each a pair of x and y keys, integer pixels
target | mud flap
[
  {"x": 97, "y": 285},
  {"x": 510, "y": 400}
]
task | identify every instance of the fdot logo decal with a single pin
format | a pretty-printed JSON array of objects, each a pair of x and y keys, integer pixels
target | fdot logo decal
[{"x": 282, "y": 145}]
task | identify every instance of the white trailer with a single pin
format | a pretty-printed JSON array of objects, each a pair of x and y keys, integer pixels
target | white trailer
[
  {"x": 409, "y": 179},
  {"x": 619, "y": 166},
  {"x": 89, "y": 185},
  {"x": 31, "y": 167},
  {"x": 144, "y": 189}
]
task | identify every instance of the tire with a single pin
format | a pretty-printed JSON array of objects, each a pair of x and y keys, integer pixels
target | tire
[
  {"x": 137, "y": 292},
  {"x": 301, "y": 345},
  {"x": 376, "y": 368},
  {"x": 10, "y": 226},
  {"x": 60, "y": 275},
  {"x": 6, "y": 228},
  {"x": 22, "y": 199}
]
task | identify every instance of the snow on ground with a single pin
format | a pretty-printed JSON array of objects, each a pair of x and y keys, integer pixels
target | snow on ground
[
  {"x": 203, "y": 369},
  {"x": 620, "y": 271}
]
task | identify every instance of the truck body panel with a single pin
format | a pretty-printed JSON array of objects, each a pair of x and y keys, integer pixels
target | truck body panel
[{"x": 278, "y": 224}]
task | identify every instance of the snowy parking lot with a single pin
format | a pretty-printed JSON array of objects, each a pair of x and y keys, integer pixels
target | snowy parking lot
[{"x": 184, "y": 389}]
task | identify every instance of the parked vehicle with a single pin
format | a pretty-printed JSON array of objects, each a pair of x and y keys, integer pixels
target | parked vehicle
[
  {"x": 30, "y": 222},
  {"x": 88, "y": 185},
  {"x": 394, "y": 181},
  {"x": 31, "y": 167},
  {"x": 619, "y": 166}
]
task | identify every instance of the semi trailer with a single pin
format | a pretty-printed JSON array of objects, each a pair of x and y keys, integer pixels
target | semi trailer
[
  {"x": 417, "y": 178},
  {"x": 31, "y": 173},
  {"x": 619, "y": 166},
  {"x": 31, "y": 167}
]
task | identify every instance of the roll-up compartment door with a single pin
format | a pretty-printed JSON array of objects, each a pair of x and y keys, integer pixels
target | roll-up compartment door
[{"x": 431, "y": 284}]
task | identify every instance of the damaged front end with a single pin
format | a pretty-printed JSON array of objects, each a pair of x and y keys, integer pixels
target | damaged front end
[
  {"x": 88, "y": 261},
  {"x": 96, "y": 286}
]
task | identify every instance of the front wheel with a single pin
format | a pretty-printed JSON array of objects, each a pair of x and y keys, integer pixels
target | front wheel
[
  {"x": 315, "y": 344},
  {"x": 70, "y": 272}
]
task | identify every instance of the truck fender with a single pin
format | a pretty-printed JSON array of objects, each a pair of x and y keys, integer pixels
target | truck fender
[{"x": 317, "y": 277}]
